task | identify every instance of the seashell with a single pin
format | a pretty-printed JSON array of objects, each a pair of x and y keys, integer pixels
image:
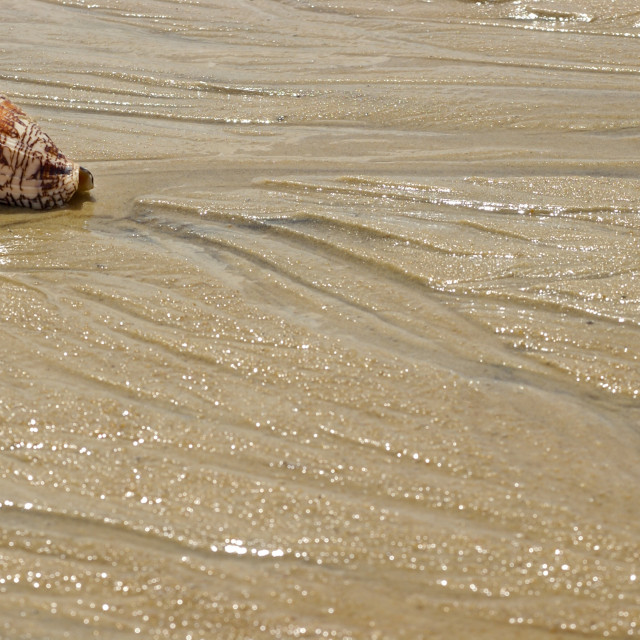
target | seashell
[{"x": 33, "y": 172}]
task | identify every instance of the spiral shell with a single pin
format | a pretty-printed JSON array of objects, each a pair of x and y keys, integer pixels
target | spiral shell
[{"x": 33, "y": 171}]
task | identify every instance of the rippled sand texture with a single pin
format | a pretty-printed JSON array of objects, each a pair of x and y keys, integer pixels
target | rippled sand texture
[{"x": 346, "y": 343}]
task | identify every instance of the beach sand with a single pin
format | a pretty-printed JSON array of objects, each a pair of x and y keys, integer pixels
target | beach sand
[{"x": 344, "y": 343}]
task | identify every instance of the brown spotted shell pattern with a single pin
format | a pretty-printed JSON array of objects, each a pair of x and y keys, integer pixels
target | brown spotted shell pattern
[{"x": 33, "y": 171}]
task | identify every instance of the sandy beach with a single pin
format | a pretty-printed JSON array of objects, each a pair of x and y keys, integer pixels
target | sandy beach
[{"x": 344, "y": 343}]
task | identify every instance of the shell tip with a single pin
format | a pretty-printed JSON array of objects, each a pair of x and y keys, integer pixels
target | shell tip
[{"x": 85, "y": 181}]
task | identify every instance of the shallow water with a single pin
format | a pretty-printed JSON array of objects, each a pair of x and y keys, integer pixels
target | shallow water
[{"x": 345, "y": 342}]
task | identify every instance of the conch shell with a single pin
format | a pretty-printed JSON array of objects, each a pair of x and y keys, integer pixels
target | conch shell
[{"x": 33, "y": 172}]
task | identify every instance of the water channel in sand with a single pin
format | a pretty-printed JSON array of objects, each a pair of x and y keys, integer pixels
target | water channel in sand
[{"x": 345, "y": 343}]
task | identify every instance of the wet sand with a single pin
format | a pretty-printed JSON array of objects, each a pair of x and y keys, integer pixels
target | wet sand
[{"x": 344, "y": 344}]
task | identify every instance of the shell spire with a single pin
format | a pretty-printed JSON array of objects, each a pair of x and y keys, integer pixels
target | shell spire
[{"x": 34, "y": 173}]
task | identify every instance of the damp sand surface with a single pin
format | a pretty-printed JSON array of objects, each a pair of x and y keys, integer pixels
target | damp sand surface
[{"x": 344, "y": 343}]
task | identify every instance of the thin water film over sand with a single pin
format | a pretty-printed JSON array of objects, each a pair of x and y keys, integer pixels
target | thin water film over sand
[{"x": 345, "y": 342}]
